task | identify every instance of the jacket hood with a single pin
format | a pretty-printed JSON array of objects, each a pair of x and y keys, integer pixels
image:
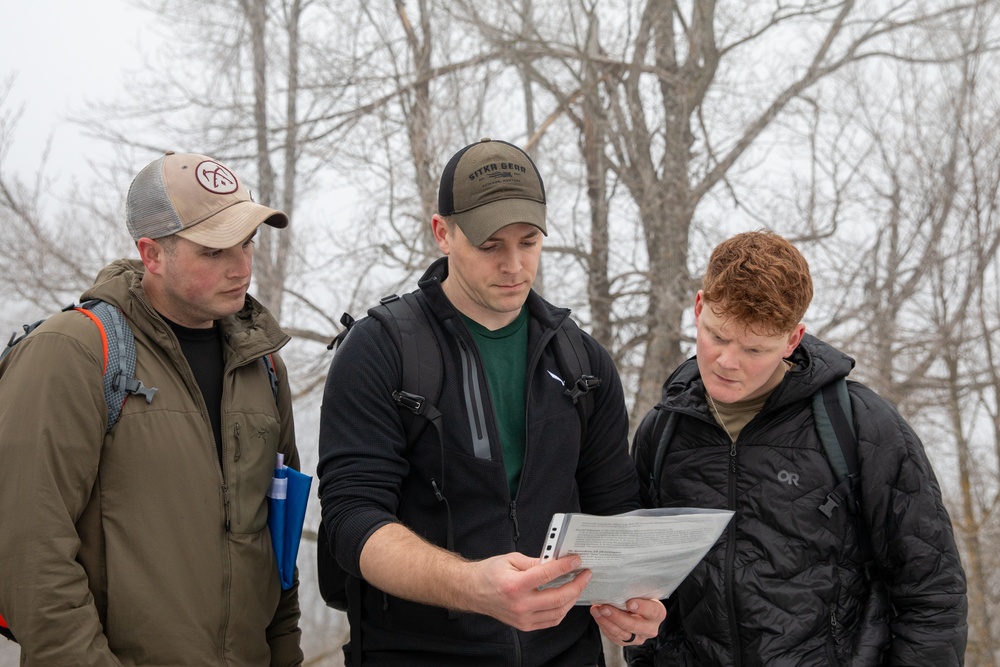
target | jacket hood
[
  {"x": 816, "y": 365},
  {"x": 110, "y": 282}
]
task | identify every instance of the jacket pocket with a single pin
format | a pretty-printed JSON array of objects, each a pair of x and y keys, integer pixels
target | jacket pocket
[{"x": 255, "y": 439}]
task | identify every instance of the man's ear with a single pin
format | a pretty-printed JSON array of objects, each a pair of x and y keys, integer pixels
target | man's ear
[
  {"x": 699, "y": 305},
  {"x": 794, "y": 339},
  {"x": 151, "y": 253},
  {"x": 441, "y": 233}
]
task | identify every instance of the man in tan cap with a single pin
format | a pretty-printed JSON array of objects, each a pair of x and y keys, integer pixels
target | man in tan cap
[
  {"x": 441, "y": 537},
  {"x": 136, "y": 533}
]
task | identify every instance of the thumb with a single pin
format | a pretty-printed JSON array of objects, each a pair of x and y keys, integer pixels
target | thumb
[{"x": 553, "y": 569}]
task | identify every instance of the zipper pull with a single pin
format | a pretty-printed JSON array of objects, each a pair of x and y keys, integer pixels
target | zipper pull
[
  {"x": 513, "y": 517},
  {"x": 225, "y": 495},
  {"x": 239, "y": 447}
]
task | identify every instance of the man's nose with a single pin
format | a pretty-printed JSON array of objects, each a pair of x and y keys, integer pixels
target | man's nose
[
  {"x": 729, "y": 358},
  {"x": 241, "y": 263},
  {"x": 511, "y": 260}
]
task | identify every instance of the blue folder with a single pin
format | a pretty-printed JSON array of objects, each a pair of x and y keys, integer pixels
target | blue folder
[{"x": 286, "y": 513}]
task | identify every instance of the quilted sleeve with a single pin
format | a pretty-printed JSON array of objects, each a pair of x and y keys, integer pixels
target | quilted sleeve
[{"x": 912, "y": 537}]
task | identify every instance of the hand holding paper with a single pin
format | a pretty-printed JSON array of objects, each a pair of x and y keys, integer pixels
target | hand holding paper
[{"x": 639, "y": 554}]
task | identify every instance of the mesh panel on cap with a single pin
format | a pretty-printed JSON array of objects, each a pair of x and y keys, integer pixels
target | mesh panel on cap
[{"x": 149, "y": 212}]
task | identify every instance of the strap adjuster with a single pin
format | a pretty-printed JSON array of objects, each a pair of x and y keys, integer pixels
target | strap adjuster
[
  {"x": 583, "y": 384},
  {"x": 411, "y": 402}
]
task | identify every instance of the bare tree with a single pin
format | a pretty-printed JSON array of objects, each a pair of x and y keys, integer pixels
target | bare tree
[
  {"x": 665, "y": 76},
  {"x": 655, "y": 124},
  {"x": 922, "y": 285}
]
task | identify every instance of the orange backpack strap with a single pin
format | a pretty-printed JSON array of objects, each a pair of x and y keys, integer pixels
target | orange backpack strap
[{"x": 119, "y": 357}]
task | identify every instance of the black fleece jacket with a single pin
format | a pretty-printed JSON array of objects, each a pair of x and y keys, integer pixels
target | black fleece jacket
[
  {"x": 368, "y": 478},
  {"x": 785, "y": 585}
]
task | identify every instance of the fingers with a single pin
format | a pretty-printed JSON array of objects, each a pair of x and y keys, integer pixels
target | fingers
[
  {"x": 512, "y": 595},
  {"x": 631, "y": 626},
  {"x": 549, "y": 570}
]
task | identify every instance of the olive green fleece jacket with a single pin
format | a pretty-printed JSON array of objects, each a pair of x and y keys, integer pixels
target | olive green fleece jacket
[{"x": 137, "y": 547}]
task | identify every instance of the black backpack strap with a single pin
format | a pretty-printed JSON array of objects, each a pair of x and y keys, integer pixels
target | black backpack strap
[
  {"x": 421, "y": 382},
  {"x": 571, "y": 355},
  {"x": 663, "y": 430},
  {"x": 835, "y": 425},
  {"x": 417, "y": 396},
  {"x": 831, "y": 407},
  {"x": 272, "y": 374},
  {"x": 421, "y": 360}
]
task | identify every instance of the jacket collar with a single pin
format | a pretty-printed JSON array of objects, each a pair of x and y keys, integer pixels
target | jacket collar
[{"x": 251, "y": 333}]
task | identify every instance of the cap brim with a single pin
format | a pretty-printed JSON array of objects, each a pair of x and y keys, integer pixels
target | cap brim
[
  {"x": 484, "y": 221},
  {"x": 233, "y": 225}
]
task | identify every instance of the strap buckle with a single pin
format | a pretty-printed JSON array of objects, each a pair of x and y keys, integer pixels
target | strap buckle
[
  {"x": 411, "y": 402},
  {"x": 583, "y": 384}
]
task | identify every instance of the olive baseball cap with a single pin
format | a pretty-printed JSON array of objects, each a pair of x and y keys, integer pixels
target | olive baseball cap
[
  {"x": 196, "y": 198},
  {"x": 489, "y": 185}
]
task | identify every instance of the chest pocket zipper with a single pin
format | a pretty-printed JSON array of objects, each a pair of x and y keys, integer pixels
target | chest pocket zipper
[{"x": 236, "y": 470}]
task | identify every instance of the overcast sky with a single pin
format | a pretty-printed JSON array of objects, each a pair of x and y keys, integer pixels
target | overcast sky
[{"x": 65, "y": 55}]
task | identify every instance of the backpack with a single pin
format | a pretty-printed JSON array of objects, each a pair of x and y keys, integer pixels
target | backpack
[
  {"x": 420, "y": 389},
  {"x": 119, "y": 354},
  {"x": 118, "y": 342},
  {"x": 831, "y": 407}
]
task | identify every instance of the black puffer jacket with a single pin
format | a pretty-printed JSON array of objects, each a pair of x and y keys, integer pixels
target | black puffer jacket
[
  {"x": 368, "y": 478},
  {"x": 785, "y": 585}
]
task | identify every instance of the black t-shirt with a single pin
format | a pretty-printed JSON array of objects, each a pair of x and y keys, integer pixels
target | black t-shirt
[{"x": 203, "y": 350}]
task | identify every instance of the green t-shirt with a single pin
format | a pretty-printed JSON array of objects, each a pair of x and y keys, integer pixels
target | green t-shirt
[{"x": 505, "y": 359}]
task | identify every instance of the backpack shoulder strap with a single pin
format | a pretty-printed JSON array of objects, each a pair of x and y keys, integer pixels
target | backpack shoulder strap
[
  {"x": 571, "y": 355},
  {"x": 119, "y": 357},
  {"x": 835, "y": 424},
  {"x": 663, "y": 431},
  {"x": 831, "y": 406},
  {"x": 272, "y": 374},
  {"x": 421, "y": 359},
  {"x": 417, "y": 399}
]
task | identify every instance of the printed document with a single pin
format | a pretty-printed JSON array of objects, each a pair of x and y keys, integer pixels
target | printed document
[{"x": 639, "y": 554}]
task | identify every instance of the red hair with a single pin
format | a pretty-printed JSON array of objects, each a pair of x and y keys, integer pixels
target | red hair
[{"x": 759, "y": 280}]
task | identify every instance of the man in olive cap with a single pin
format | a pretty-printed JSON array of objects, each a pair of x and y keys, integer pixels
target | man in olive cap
[{"x": 444, "y": 535}]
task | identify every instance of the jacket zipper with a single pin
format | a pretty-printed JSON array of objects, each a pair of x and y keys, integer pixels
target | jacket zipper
[
  {"x": 236, "y": 468},
  {"x": 529, "y": 372},
  {"x": 225, "y": 496},
  {"x": 730, "y": 560}
]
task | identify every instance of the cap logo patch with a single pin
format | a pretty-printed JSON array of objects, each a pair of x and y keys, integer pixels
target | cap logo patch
[
  {"x": 504, "y": 169},
  {"x": 216, "y": 178}
]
